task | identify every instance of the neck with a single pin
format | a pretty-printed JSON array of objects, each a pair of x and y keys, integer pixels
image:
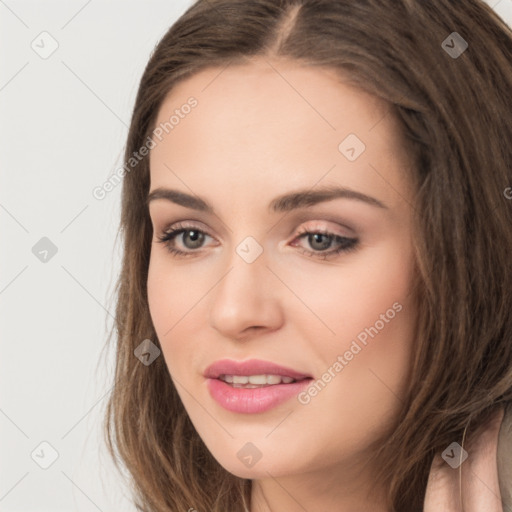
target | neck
[{"x": 327, "y": 489}]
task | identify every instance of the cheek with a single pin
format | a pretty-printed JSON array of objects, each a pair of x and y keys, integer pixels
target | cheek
[
  {"x": 172, "y": 289},
  {"x": 369, "y": 306},
  {"x": 378, "y": 296},
  {"x": 176, "y": 300},
  {"x": 364, "y": 369},
  {"x": 350, "y": 297}
]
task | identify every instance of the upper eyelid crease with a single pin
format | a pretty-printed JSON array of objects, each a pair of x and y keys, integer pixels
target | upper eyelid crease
[{"x": 283, "y": 203}]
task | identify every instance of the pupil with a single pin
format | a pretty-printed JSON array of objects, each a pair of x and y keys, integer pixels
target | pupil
[
  {"x": 196, "y": 238},
  {"x": 326, "y": 243}
]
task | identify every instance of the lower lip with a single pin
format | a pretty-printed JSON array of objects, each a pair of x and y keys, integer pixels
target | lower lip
[{"x": 253, "y": 400}]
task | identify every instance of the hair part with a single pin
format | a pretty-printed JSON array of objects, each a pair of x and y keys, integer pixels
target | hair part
[{"x": 454, "y": 117}]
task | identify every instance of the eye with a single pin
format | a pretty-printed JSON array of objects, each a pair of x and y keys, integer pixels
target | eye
[
  {"x": 320, "y": 240},
  {"x": 192, "y": 242},
  {"x": 323, "y": 239}
]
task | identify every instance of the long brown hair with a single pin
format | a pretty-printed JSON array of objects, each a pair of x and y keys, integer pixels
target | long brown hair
[{"x": 454, "y": 108}]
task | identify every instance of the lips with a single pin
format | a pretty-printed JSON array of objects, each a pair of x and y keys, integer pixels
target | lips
[
  {"x": 251, "y": 367},
  {"x": 252, "y": 400}
]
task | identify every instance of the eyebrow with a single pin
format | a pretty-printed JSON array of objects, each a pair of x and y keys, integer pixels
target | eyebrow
[{"x": 284, "y": 203}]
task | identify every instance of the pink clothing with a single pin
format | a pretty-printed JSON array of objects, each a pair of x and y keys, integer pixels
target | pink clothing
[{"x": 483, "y": 482}]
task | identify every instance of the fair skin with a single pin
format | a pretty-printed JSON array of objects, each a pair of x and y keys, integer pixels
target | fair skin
[{"x": 252, "y": 137}]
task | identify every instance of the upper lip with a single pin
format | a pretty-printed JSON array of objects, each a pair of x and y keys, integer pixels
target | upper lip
[{"x": 251, "y": 367}]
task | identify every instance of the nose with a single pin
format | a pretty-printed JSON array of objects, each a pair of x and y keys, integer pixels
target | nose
[{"x": 246, "y": 299}]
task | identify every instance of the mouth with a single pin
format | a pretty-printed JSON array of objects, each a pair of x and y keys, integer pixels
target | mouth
[
  {"x": 253, "y": 386},
  {"x": 253, "y": 371},
  {"x": 258, "y": 381}
]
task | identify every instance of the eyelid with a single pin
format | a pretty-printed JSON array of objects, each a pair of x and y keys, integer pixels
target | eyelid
[
  {"x": 304, "y": 225},
  {"x": 174, "y": 229},
  {"x": 321, "y": 226},
  {"x": 346, "y": 244},
  {"x": 187, "y": 224}
]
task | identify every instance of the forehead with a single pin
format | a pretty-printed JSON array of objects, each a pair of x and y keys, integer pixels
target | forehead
[
  {"x": 276, "y": 92},
  {"x": 277, "y": 121}
]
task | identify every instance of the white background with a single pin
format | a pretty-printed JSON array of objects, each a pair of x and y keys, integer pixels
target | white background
[{"x": 63, "y": 123}]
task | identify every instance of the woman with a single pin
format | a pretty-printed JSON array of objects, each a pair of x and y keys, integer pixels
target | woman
[{"x": 376, "y": 366}]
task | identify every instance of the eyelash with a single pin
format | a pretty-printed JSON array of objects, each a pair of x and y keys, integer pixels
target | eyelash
[{"x": 346, "y": 244}]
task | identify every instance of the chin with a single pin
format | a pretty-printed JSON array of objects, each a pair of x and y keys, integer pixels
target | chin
[{"x": 243, "y": 469}]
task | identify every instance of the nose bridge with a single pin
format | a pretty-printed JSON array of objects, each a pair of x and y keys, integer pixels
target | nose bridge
[
  {"x": 247, "y": 268},
  {"x": 244, "y": 296}
]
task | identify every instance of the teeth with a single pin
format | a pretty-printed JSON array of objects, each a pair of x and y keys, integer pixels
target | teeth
[
  {"x": 274, "y": 379},
  {"x": 260, "y": 380}
]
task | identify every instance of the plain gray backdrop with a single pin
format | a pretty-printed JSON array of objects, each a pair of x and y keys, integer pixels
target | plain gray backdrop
[{"x": 68, "y": 78}]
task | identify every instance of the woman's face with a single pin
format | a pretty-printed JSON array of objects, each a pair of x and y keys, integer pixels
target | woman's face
[{"x": 335, "y": 307}]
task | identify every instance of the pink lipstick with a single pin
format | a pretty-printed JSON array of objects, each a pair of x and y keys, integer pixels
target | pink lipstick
[{"x": 253, "y": 386}]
